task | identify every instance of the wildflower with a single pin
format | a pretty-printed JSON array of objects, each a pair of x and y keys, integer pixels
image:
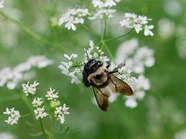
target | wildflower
[
  {"x": 105, "y": 3},
  {"x": 37, "y": 102},
  {"x": 51, "y": 96},
  {"x": 72, "y": 17},
  {"x": 1, "y": 4},
  {"x": 70, "y": 68},
  {"x": 137, "y": 22},
  {"x": 30, "y": 89},
  {"x": 60, "y": 113},
  {"x": 102, "y": 13},
  {"x": 40, "y": 112},
  {"x": 148, "y": 31},
  {"x": 14, "y": 116}
]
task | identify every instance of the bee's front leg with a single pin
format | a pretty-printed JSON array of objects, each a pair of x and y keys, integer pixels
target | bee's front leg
[
  {"x": 116, "y": 68},
  {"x": 108, "y": 64}
]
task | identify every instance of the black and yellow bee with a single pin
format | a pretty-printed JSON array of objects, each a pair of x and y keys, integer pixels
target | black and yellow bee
[{"x": 103, "y": 81}]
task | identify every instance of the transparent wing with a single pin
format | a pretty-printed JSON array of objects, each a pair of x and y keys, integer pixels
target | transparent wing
[
  {"x": 102, "y": 96},
  {"x": 119, "y": 86}
]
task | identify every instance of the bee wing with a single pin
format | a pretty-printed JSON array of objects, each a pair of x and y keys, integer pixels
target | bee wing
[
  {"x": 119, "y": 86},
  {"x": 102, "y": 96}
]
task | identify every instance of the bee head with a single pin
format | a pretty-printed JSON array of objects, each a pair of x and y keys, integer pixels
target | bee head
[{"x": 92, "y": 65}]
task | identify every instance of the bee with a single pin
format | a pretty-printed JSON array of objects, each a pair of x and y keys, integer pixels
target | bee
[{"x": 103, "y": 82}]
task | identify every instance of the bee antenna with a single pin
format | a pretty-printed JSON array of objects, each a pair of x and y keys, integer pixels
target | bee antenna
[{"x": 86, "y": 54}]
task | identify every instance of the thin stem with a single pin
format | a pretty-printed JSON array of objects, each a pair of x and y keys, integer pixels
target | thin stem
[
  {"x": 117, "y": 37},
  {"x": 104, "y": 29},
  {"x": 90, "y": 31},
  {"x": 27, "y": 30},
  {"x": 27, "y": 114},
  {"x": 110, "y": 53},
  {"x": 42, "y": 127}
]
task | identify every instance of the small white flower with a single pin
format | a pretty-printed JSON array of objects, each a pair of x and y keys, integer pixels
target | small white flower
[
  {"x": 37, "y": 102},
  {"x": 148, "y": 31},
  {"x": 131, "y": 102},
  {"x": 72, "y": 17},
  {"x": 60, "y": 113},
  {"x": 40, "y": 112},
  {"x": 137, "y": 22},
  {"x": 14, "y": 116},
  {"x": 1, "y": 4},
  {"x": 101, "y": 13},
  {"x": 30, "y": 89},
  {"x": 51, "y": 96},
  {"x": 105, "y": 3}
]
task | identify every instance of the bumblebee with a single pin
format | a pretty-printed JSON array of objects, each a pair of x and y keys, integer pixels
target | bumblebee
[{"x": 103, "y": 81}]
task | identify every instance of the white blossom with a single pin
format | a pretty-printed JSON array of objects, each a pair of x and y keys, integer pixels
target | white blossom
[
  {"x": 105, "y": 3},
  {"x": 12, "y": 76},
  {"x": 72, "y": 17},
  {"x": 30, "y": 89},
  {"x": 102, "y": 13},
  {"x": 14, "y": 116},
  {"x": 51, "y": 95},
  {"x": 37, "y": 102},
  {"x": 137, "y": 22},
  {"x": 1, "y": 4},
  {"x": 40, "y": 112},
  {"x": 60, "y": 113}
]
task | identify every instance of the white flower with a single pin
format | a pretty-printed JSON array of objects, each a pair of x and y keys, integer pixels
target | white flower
[
  {"x": 40, "y": 112},
  {"x": 30, "y": 89},
  {"x": 105, "y": 3},
  {"x": 72, "y": 17},
  {"x": 37, "y": 102},
  {"x": 1, "y": 4},
  {"x": 60, "y": 113},
  {"x": 137, "y": 22},
  {"x": 131, "y": 102},
  {"x": 51, "y": 96},
  {"x": 148, "y": 31},
  {"x": 101, "y": 13},
  {"x": 14, "y": 116}
]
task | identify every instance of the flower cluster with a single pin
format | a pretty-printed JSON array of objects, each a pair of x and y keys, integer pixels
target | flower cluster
[
  {"x": 38, "y": 105},
  {"x": 14, "y": 116},
  {"x": 30, "y": 89},
  {"x": 11, "y": 77},
  {"x": 71, "y": 70},
  {"x": 73, "y": 16},
  {"x": 1, "y": 4},
  {"x": 60, "y": 113},
  {"x": 136, "y": 58},
  {"x": 139, "y": 23},
  {"x": 94, "y": 52},
  {"x": 105, "y": 3}
]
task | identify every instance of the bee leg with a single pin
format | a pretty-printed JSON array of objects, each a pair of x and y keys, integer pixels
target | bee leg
[
  {"x": 119, "y": 66},
  {"x": 108, "y": 64}
]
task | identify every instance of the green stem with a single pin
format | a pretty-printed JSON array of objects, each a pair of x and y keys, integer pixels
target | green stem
[
  {"x": 42, "y": 127},
  {"x": 117, "y": 37},
  {"x": 27, "y": 30},
  {"x": 104, "y": 29},
  {"x": 26, "y": 115},
  {"x": 90, "y": 31},
  {"x": 110, "y": 53}
]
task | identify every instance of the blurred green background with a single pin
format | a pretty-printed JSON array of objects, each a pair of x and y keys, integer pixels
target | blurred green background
[{"x": 161, "y": 114}]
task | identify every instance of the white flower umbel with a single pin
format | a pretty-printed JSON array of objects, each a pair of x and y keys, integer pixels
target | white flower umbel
[
  {"x": 104, "y": 3},
  {"x": 72, "y": 17},
  {"x": 37, "y": 102},
  {"x": 71, "y": 68},
  {"x": 1, "y": 4},
  {"x": 14, "y": 116},
  {"x": 137, "y": 22},
  {"x": 40, "y": 112},
  {"x": 30, "y": 89},
  {"x": 102, "y": 13},
  {"x": 94, "y": 52},
  {"x": 51, "y": 95},
  {"x": 11, "y": 77},
  {"x": 60, "y": 113}
]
